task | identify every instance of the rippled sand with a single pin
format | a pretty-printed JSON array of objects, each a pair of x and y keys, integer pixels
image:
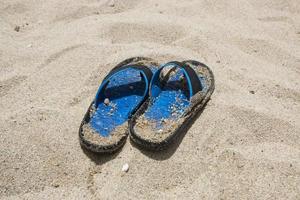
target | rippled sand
[{"x": 245, "y": 144}]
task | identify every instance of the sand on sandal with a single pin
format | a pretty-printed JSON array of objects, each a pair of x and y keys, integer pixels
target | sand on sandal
[{"x": 245, "y": 144}]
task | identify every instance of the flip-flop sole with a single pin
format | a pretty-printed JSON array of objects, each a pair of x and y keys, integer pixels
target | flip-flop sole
[
  {"x": 105, "y": 129},
  {"x": 144, "y": 137}
]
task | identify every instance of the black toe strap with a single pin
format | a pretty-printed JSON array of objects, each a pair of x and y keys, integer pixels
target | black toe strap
[{"x": 191, "y": 76}]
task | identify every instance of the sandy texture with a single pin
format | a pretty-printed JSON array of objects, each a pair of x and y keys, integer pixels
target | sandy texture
[
  {"x": 245, "y": 144},
  {"x": 147, "y": 129},
  {"x": 92, "y": 136}
]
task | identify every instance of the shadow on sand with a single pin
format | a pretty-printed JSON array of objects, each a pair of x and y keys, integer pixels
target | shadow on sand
[
  {"x": 171, "y": 149},
  {"x": 101, "y": 158}
]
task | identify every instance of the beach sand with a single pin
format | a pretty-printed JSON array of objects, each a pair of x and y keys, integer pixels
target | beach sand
[{"x": 244, "y": 145}]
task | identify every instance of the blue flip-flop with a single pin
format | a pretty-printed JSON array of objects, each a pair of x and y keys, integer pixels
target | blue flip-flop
[
  {"x": 104, "y": 127},
  {"x": 178, "y": 91}
]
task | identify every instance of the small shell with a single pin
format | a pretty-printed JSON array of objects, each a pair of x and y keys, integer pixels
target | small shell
[
  {"x": 106, "y": 101},
  {"x": 125, "y": 167}
]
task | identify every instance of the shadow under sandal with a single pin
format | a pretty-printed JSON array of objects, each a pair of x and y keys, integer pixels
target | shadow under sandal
[
  {"x": 178, "y": 91},
  {"x": 104, "y": 127}
]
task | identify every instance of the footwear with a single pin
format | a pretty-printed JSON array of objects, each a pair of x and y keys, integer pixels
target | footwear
[
  {"x": 104, "y": 127},
  {"x": 178, "y": 91}
]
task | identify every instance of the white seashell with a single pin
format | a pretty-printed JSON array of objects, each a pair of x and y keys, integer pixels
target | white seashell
[
  {"x": 106, "y": 101},
  {"x": 125, "y": 167}
]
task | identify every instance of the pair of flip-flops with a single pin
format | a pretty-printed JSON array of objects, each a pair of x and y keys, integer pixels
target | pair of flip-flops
[{"x": 151, "y": 103}]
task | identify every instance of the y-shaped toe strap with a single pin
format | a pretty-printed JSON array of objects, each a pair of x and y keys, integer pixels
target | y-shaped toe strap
[{"x": 190, "y": 75}]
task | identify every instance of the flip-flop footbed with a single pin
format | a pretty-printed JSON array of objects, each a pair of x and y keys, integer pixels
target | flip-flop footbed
[
  {"x": 105, "y": 124},
  {"x": 159, "y": 120}
]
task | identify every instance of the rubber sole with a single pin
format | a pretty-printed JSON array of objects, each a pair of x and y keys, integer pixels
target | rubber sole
[
  {"x": 194, "y": 110},
  {"x": 109, "y": 148}
]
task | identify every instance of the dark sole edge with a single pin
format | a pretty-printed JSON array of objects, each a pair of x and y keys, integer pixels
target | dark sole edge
[
  {"x": 116, "y": 146},
  {"x": 155, "y": 146}
]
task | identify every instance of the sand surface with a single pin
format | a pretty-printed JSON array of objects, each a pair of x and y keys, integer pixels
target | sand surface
[{"x": 245, "y": 144}]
